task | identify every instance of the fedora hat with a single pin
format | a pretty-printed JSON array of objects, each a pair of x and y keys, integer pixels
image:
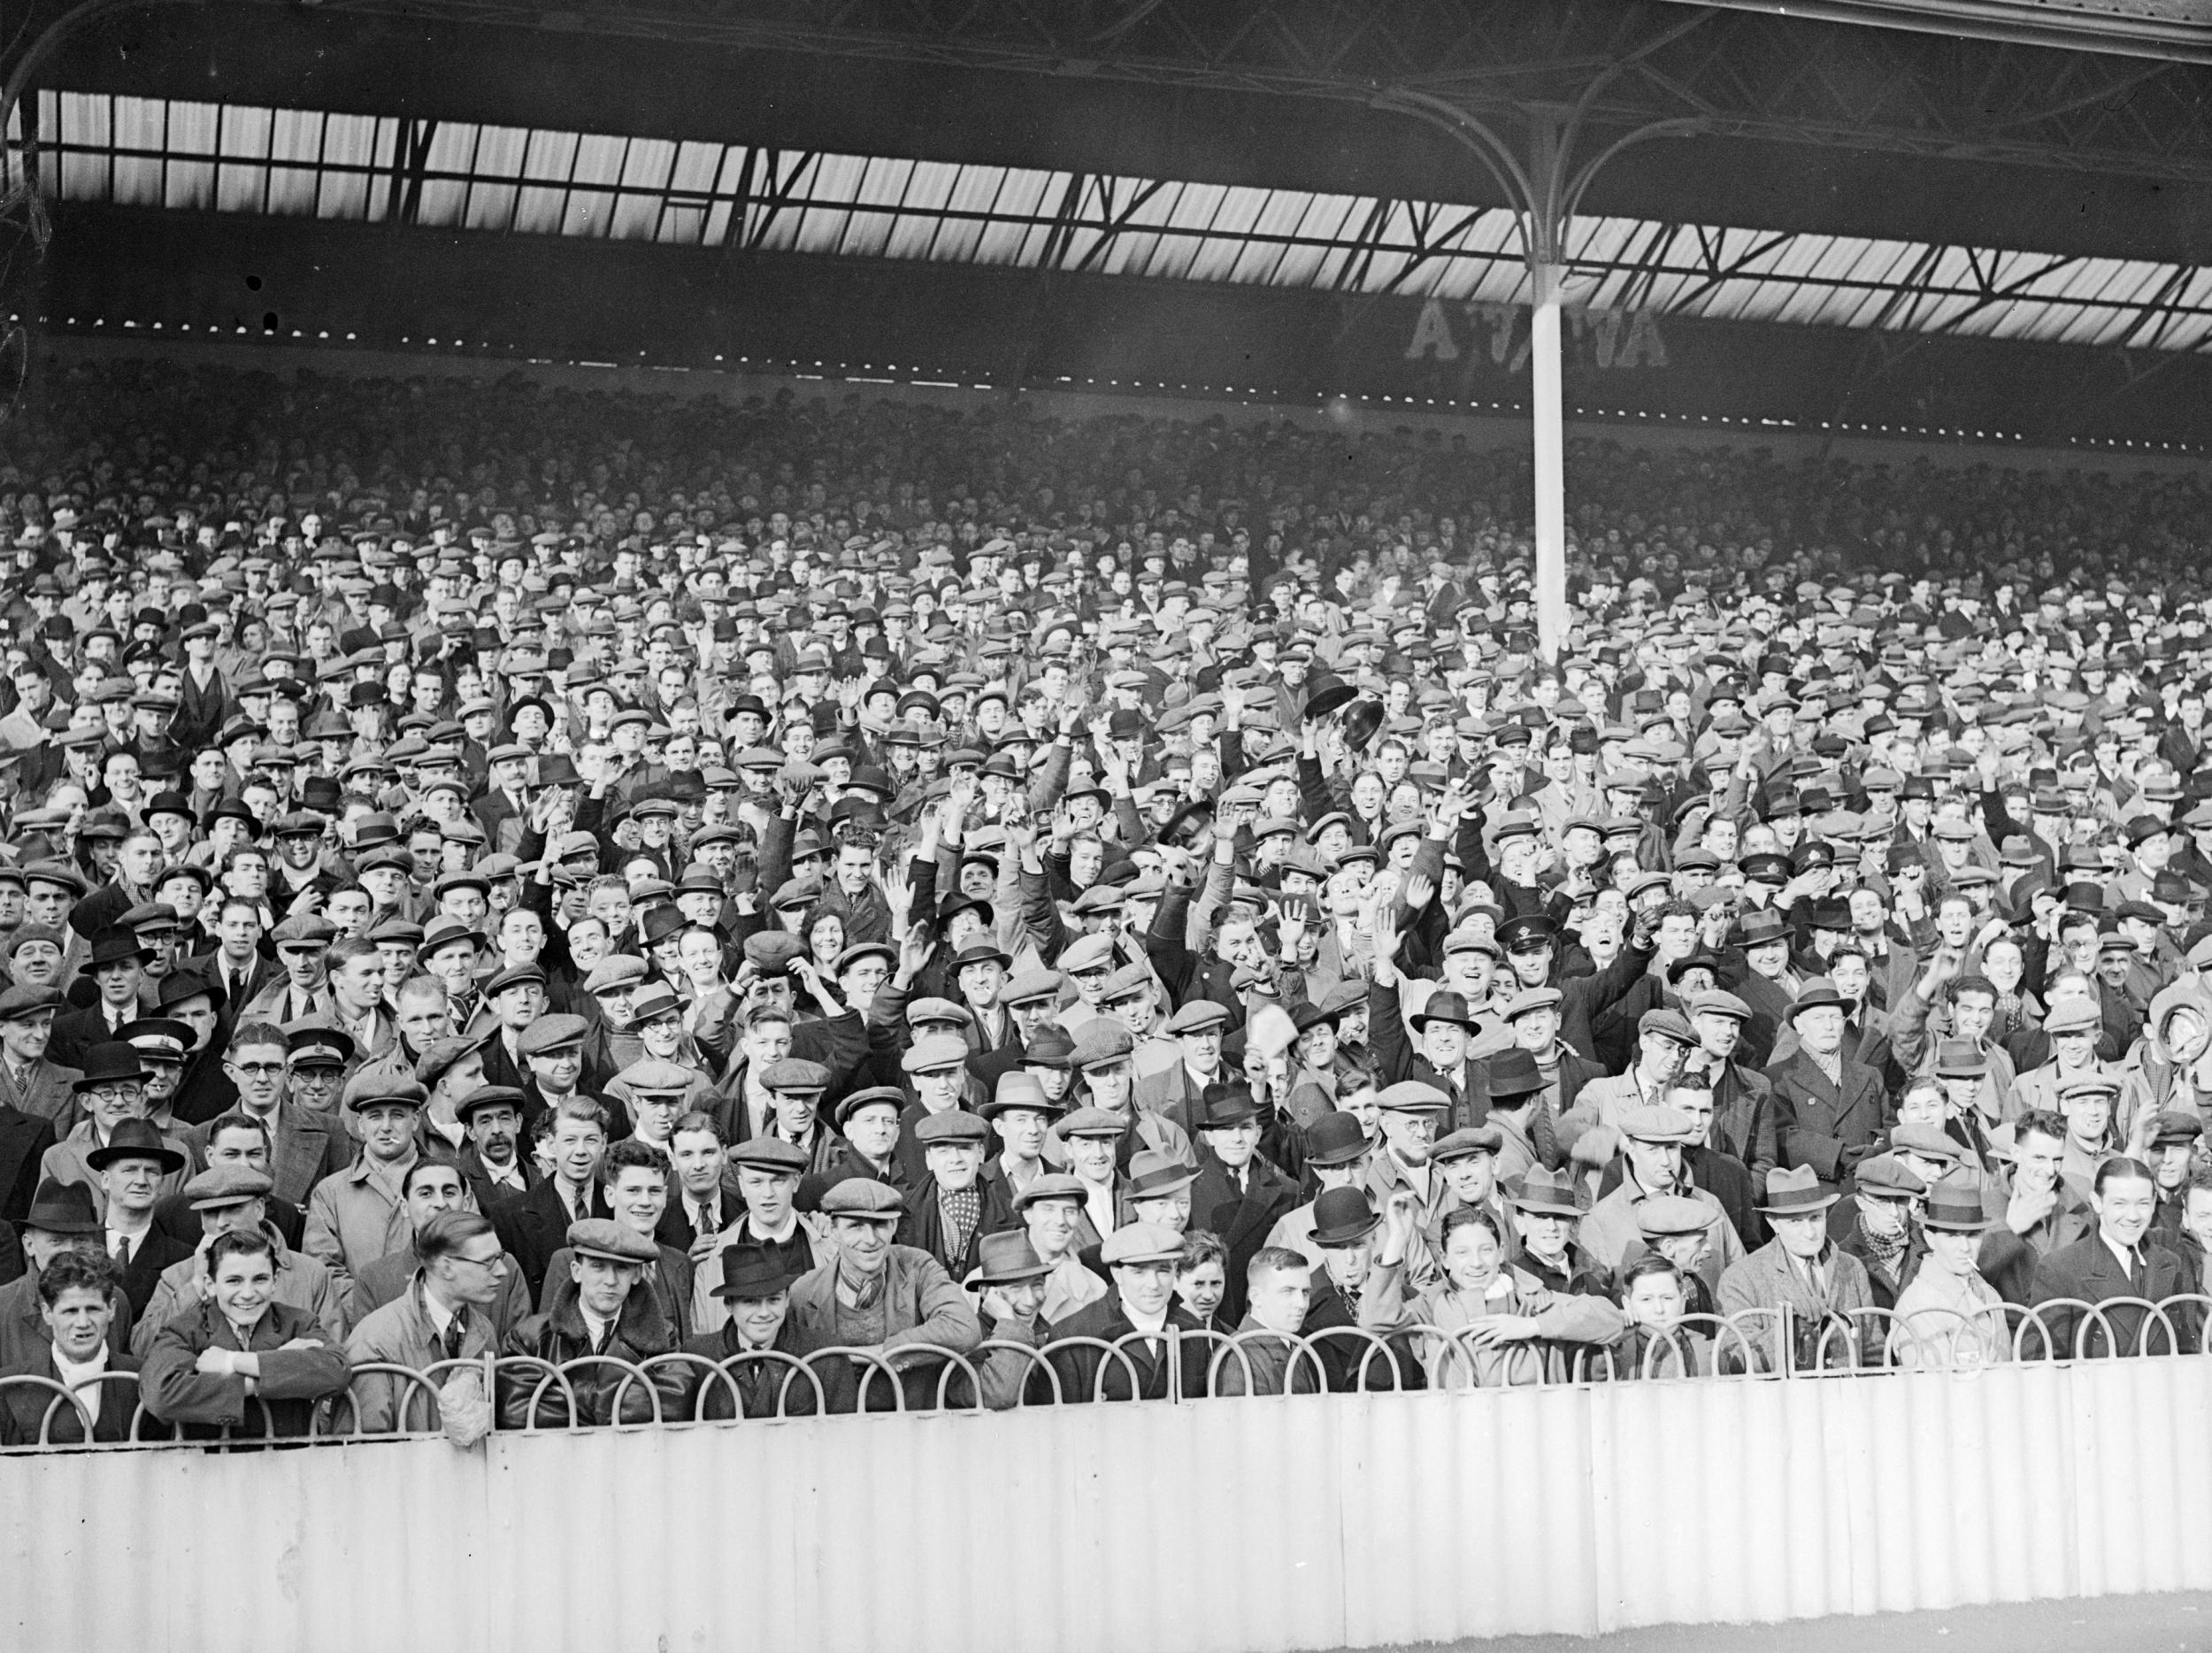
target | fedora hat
[
  {"x": 1154, "y": 1175},
  {"x": 1514, "y": 1073},
  {"x": 1760, "y": 925},
  {"x": 64, "y": 1208},
  {"x": 1548, "y": 1192},
  {"x": 753, "y": 1271},
  {"x": 1004, "y": 1259},
  {"x": 1326, "y": 694},
  {"x": 1796, "y": 1192},
  {"x": 1343, "y": 1217},
  {"x": 1955, "y": 1205},
  {"x": 115, "y": 946},
  {"x": 1445, "y": 1005},
  {"x": 1819, "y": 994},
  {"x": 136, "y": 1139}
]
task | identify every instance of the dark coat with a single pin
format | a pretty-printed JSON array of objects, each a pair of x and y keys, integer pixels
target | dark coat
[
  {"x": 294, "y": 1382},
  {"x": 1078, "y": 1368},
  {"x": 1242, "y": 1220},
  {"x": 534, "y": 1228},
  {"x": 768, "y": 1388},
  {"x": 24, "y": 1140},
  {"x": 1347, "y": 1355},
  {"x": 157, "y": 1250},
  {"x": 23, "y": 1407},
  {"x": 1743, "y": 1118},
  {"x": 2087, "y": 1270},
  {"x": 922, "y": 1224},
  {"x": 175, "y": 1218},
  {"x": 559, "y": 1335},
  {"x": 1822, "y": 1125}
]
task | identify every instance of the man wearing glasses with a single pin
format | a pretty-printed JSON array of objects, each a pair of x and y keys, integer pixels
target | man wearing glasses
[
  {"x": 292, "y": 1090},
  {"x": 444, "y": 1314}
]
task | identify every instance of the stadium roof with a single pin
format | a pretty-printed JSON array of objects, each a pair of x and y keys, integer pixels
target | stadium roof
[{"x": 505, "y": 180}]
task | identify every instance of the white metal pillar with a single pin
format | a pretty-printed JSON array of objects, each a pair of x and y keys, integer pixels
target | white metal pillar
[{"x": 1548, "y": 418}]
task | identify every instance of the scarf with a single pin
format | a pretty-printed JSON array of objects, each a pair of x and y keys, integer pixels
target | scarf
[
  {"x": 962, "y": 1210},
  {"x": 1886, "y": 1251}
]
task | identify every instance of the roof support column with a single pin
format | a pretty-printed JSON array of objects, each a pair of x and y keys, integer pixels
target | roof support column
[{"x": 1540, "y": 180}]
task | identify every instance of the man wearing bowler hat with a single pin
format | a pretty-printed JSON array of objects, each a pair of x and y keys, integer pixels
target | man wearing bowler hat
[
  {"x": 1344, "y": 1227},
  {"x": 117, "y": 967},
  {"x": 1803, "y": 1272},
  {"x": 1336, "y": 1156},
  {"x": 112, "y": 1091}
]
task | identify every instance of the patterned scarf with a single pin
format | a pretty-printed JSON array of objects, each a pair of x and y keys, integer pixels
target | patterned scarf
[
  {"x": 1886, "y": 1251},
  {"x": 962, "y": 1210}
]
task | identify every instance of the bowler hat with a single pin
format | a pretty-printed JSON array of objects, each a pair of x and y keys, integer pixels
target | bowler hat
[
  {"x": 1335, "y": 1139},
  {"x": 1343, "y": 1217}
]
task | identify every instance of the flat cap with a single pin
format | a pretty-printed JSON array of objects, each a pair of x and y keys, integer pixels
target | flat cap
[
  {"x": 372, "y": 1090},
  {"x": 226, "y": 1185},
  {"x": 864, "y": 1198},
  {"x": 653, "y": 1077},
  {"x": 549, "y": 1034},
  {"x": 614, "y": 972},
  {"x": 600, "y": 1238},
  {"x": 934, "y": 1053},
  {"x": 1661, "y": 1215},
  {"x": 771, "y": 1154},
  {"x": 1136, "y": 1243},
  {"x": 796, "y": 1073},
  {"x": 1103, "y": 1042},
  {"x": 952, "y": 1126}
]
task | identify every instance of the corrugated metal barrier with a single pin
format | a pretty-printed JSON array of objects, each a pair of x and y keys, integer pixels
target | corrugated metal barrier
[{"x": 1229, "y": 1527}]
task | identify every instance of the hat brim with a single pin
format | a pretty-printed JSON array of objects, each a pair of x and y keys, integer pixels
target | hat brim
[
  {"x": 1801, "y": 1208},
  {"x": 1425, "y": 1017},
  {"x": 170, "y": 1161},
  {"x": 1548, "y": 1205},
  {"x": 730, "y": 1291},
  {"x": 1346, "y": 1236},
  {"x": 1331, "y": 699}
]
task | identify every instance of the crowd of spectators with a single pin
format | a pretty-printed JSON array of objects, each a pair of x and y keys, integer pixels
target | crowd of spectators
[{"x": 655, "y": 890}]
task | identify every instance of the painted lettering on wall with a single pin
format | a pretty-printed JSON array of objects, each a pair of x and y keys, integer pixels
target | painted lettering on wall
[{"x": 1499, "y": 334}]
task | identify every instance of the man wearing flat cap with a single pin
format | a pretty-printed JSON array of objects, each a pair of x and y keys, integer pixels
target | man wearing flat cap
[
  {"x": 954, "y": 1206},
  {"x": 1155, "y": 1348},
  {"x": 32, "y": 1085},
  {"x": 1653, "y": 1142},
  {"x": 895, "y": 1302},
  {"x": 604, "y": 1306},
  {"x": 361, "y": 1214}
]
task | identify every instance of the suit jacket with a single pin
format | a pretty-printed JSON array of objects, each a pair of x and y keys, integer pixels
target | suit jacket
[
  {"x": 1827, "y": 1126},
  {"x": 24, "y": 1140},
  {"x": 399, "y": 1332},
  {"x": 1767, "y": 1279},
  {"x": 534, "y": 1228},
  {"x": 386, "y": 1280},
  {"x": 1241, "y": 1219},
  {"x": 2089, "y": 1271},
  {"x": 76, "y": 1032},
  {"x": 23, "y": 1407},
  {"x": 48, "y": 1093},
  {"x": 293, "y": 1382},
  {"x": 763, "y": 1387},
  {"x": 1089, "y": 1374},
  {"x": 156, "y": 1250},
  {"x": 310, "y": 1145}
]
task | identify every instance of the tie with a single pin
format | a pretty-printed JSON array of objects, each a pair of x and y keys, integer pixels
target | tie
[
  {"x": 122, "y": 1252},
  {"x": 452, "y": 1340},
  {"x": 707, "y": 1225}
]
